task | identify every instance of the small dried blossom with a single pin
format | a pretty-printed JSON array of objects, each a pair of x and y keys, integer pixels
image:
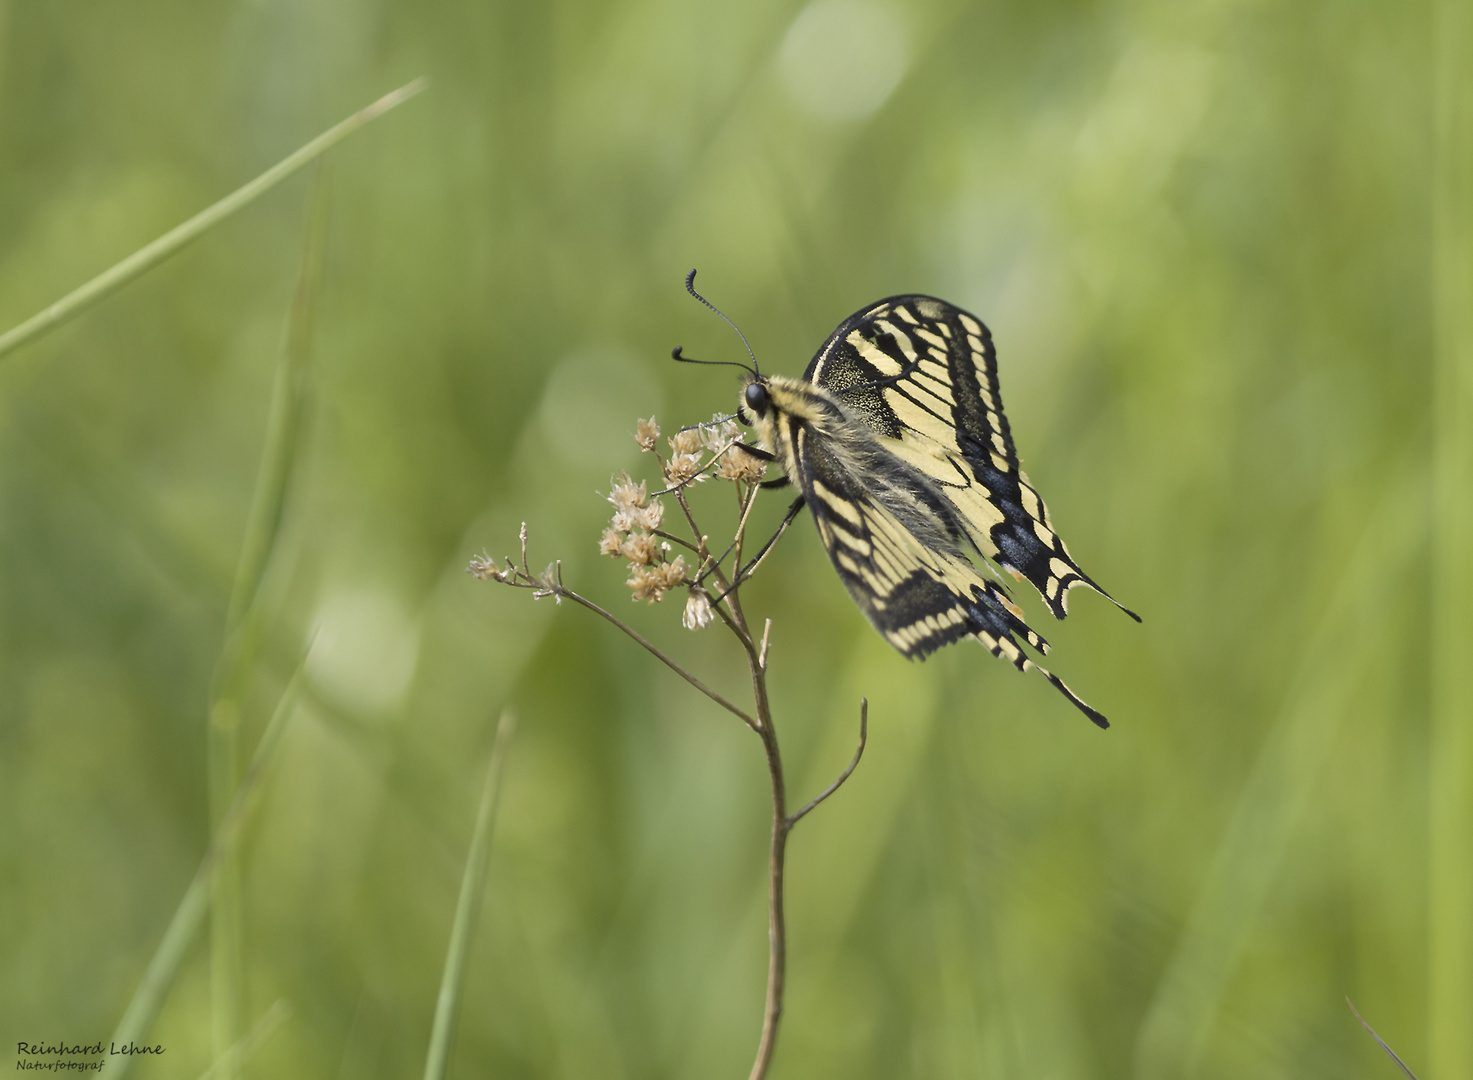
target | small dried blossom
[
  {"x": 738, "y": 465},
  {"x": 684, "y": 465},
  {"x": 640, "y": 549},
  {"x": 645, "y": 585},
  {"x": 650, "y": 583},
  {"x": 720, "y": 433},
  {"x": 649, "y": 517},
  {"x": 683, "y": 469},
  {"x": 645, "y": 433},
  {"x": 633, "y": 509},
  {"x": 672, "y": 573},
  {"x": 697, "y": 614},
  {"x": 625, "y": 494},
  {"x": 485, "y": 568}
]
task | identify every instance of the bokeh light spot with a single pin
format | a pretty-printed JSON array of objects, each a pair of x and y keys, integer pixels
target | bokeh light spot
[
  {"x": 842, "y": 59},
  {"x": 365, "y": 650}
]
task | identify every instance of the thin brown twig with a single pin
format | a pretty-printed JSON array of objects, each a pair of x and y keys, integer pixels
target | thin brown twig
[
  {"x": 746, "y": 501},
  {"x": 657, "y": 654},
  {"x": 662, "y": 534},
  {"x": 858, "y": 753},
  {"x": 551, "y": 585},
  {"x": 746, "y": 497},
  {"x": 762, "y": 555},
  {"x": 1399, "y": 1062}
]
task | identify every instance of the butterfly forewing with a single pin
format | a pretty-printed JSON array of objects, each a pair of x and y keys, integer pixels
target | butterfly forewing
[{"x": 922, "y": 374}]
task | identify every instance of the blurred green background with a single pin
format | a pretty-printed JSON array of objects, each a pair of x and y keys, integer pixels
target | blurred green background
[{"x": 1200, "y": 234}]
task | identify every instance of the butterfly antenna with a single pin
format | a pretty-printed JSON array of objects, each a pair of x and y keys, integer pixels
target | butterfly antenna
[
  {"x": 677, "y": 354},
  {"x": 690, "y": 287}
]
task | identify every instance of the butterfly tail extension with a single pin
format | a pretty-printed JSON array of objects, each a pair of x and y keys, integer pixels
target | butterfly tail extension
[
  {"x": 999, "y": 620},
  {"x": 1028, "y": 547},
  {"x": 1096, "y": 717},
  {"x": 1075, "y": 577}
]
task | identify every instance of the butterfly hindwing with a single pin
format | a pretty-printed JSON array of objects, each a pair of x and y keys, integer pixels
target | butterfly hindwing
[
  {"x": 898, "y": 554},
  {"x": 895, "y": 540},
  {"x": 922, "y": 374}
]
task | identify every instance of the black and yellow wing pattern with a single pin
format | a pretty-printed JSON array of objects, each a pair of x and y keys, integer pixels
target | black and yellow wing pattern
[{"x": 897, "y": 439}]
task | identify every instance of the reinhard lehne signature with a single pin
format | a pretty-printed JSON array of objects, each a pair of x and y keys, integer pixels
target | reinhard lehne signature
[{"x": 89, "y": 1057}]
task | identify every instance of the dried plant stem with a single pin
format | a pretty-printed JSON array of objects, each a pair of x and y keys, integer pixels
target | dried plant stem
[
  {"x": 858, "y": 753},
  {"x": 1382, "y": 1042},
  {"x": 777, "y": 927},
  {"x": 569, "y": 594},
  {"x": 728, "y": 608},
  {"x": 782, "y": 825}
]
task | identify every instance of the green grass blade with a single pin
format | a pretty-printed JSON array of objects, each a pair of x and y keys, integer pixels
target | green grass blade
[
  {"x": 253, "y": 1040},
  {"x": 138, "y": 1018},
  {"x": 472, "y": 886},
  {"x": 1450, "y": 753},
  {"x": 150, "y": 255},
  {"x": 288, "y": 406},
  {"x": 243, "y": 620},
  {"x": 1277, "y": 792}
]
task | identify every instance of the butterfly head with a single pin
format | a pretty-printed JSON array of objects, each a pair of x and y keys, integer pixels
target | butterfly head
[
  {"x": 757, "y": 409},
  {"x": 755, "y": 400},
  {"x": 776, "y": 407}
]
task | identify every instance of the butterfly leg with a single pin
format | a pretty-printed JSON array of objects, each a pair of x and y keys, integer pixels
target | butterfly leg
[
  {"x": 744, "y": 572},
  {"x": 751, "y": 567}
]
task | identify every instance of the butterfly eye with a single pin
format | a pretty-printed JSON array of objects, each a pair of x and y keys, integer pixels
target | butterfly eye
[{"x": 757, "y": 399}]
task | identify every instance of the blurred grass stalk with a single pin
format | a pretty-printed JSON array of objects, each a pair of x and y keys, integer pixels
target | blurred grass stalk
[
  {"x": 1347, "y": 639},
  {"x": 150, "y": 255},
  {"x": 261, "y": 1031},
  {"x": 244, "y": 623},
  {"x": 219, "y": 872},
  {"x": 1450, "y": 780},
  {"x": 142, "y": 1010},
  {"x": 472, "y": 888}
]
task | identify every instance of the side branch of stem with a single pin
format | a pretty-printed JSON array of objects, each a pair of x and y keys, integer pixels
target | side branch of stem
[
  {"x": 561, "y": 591},
  {"x": 858, "y": 753}
]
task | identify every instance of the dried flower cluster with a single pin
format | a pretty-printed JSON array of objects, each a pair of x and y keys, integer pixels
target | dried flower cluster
[
  {"x": 722, "y": 439},
  {"x": 634, "y": 531},
  {"x": 684, "y": 466},
  {"x": 632, "y": 534}
]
